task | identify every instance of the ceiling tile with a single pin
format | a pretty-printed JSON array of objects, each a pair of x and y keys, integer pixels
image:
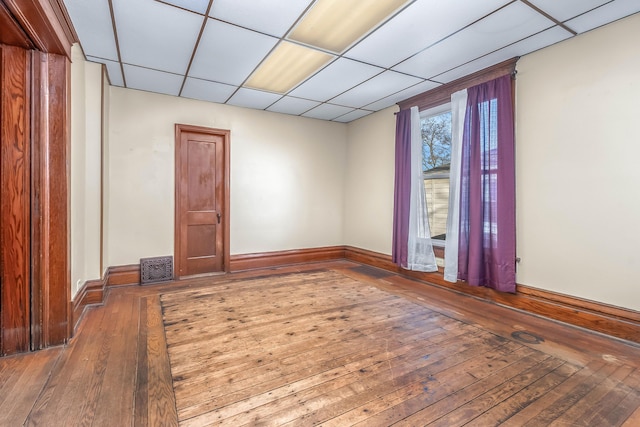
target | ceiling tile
[
  {"x": 567, "y": 9},
  {"x": 228, "y": 54},
  {"x": 251, "y": 98},
  {"x": 429, "y": 40},
  {"x": 504, "y": 27},
  {"x": 113, "y": 70},
  {"x": 92, "y": 21},
  {"x": 152, "y": 80},
  {"x": 328, "y": 112},
  {"x": 603, "y": 15},
  {"x": 292, "y": 105},
  {"x": 375, "y": 89},
  {"x": 354, "y": 115},
  {"x": 207, "y": 91},
  {"x": 402, "y": 95},
  {"x": 337, "y": 77},
  {"x": 420, "y": 25},
  {"x": 199, "y": 6},
  {"x": 273, "y": 17},
  {"x": 143, "y": 35},
  {"x": 528, "y": 45}
]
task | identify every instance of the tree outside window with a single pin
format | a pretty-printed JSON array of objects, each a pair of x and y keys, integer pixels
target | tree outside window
[{"x": 436, "y": 160}]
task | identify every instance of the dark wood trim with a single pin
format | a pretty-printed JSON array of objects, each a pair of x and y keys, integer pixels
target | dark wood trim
[
  {"x": 15, "y": 200},
  {"x": 123, "y": 275},
  {"x": 91, "y": 293},
  {"x": 278, "y": 258},
  {"x": 580, "y": 303},
  {"x": 35, "y": 112},
  {"x": 47, "y": 24},
  {"x": 592, "y": 315},
  {"x": 442, "y": 94},
  {"x": 595, "y": 316},
  {"x": 226, "y": 215},
  {"x": 12, "y": 34},
  {"x": 51, "y": 293}
]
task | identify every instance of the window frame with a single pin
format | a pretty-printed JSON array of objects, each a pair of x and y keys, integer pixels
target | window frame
[{"x": 425, "y": 114}]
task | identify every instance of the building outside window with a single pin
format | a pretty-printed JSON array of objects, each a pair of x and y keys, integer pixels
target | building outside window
[{"x": 436, "y": 160}]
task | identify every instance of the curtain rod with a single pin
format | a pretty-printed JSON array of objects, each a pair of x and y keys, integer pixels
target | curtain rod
[{"x": 432, "y": 98}]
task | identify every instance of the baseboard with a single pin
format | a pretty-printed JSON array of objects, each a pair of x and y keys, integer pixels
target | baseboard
[
  {"x": 123, "y": 275},
  {"x": 92, "y": 292},
  {"x": 274, "y": 259},
  {"x": 599, "y": 317}
]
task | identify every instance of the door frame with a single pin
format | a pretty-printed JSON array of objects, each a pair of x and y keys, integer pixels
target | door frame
[{"x": 226, "y": 137}]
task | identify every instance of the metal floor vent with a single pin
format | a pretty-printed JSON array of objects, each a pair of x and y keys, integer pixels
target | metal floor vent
[{"x": 156, "y": 269}]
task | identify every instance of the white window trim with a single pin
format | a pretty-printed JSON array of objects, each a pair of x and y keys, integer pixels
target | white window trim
[{"x": 442, "y": 108}]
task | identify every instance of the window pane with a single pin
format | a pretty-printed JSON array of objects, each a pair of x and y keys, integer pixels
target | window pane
[{"x": 436, "y": 160}]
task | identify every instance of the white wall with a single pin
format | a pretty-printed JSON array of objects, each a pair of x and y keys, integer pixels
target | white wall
[
  {"x": 86, "y": 87},
  {"x": 577, "y": 151},
  {"x": 287, "y": 176},
  {"x": 369, "y": 182},
  {"x": 578, "y": 145}
]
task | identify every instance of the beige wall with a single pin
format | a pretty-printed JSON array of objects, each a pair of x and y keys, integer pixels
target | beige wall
[
  {"x": 299, "y": 183},
  {"x": 369, "y": 182},
  {"x": 578, "y": 147},
  {"x": 86, "y": 86},
  {"x": 286, "y": 176}
]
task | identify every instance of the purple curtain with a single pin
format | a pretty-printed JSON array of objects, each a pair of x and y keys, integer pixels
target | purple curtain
[
  {"x": 402, "y": 188},
  {"x": 487, "y": 243}
]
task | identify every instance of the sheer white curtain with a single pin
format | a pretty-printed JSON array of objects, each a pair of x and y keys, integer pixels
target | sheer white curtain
[
  {"x": 458, "y": 109},
  {"x": 420, "y": 255}
]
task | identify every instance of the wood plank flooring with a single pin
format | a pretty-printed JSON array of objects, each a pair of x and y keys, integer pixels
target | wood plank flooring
[{"x": 334, "y": 343}]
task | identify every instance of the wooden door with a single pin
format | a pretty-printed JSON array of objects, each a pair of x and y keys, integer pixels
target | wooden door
[{"x": 201, "y": 227}]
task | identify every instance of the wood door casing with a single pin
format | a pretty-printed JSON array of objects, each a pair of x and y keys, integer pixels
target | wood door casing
[
  {"x": 35, "y": 289},
  {"x": 202, "y": 200},
  {"x": 34, "y": 200},
  {"x": 15, "y": 213}
]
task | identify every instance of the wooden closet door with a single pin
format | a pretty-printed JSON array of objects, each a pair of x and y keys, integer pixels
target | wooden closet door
[{"x": 200, "y": 200}]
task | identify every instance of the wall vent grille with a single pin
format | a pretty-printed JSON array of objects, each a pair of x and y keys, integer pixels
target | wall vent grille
[{"x": 156, "y": 269}]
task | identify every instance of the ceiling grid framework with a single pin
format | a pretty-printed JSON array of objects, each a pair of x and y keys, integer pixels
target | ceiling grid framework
[{"x": 212, "y": 50}]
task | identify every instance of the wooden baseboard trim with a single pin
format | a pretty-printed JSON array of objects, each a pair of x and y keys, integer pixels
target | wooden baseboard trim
[
  {"x": 599, "y": 317},
  {"x": 274, "y": 259},
  {"x": 91, "y": 293},
  {"x": 123, "y": 275},
  {"x": 610, "y": 320}
]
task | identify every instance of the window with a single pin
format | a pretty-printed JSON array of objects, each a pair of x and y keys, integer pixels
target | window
[{"x": 436, "y": 159}]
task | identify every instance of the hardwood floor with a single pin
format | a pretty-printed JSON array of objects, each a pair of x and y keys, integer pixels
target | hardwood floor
[{"x": 346, "y": 344}]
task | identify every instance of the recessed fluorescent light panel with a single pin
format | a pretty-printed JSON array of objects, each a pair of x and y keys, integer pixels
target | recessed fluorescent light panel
[
  {"x": 334, "y": 25},
  {"x": 286, "y": 66}
]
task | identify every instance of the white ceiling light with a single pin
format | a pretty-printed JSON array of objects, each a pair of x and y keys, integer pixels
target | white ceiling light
[
  {"x": 286, "y": 66},
  {"x": 334, "y": 25}
]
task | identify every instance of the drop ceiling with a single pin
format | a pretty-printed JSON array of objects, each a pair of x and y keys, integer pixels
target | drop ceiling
[{"x": 208, "y": 49}]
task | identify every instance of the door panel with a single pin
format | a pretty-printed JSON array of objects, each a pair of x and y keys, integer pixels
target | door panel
[
  {"x": 202, "y": 240},
  {"x": 200, "y": 200}
]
